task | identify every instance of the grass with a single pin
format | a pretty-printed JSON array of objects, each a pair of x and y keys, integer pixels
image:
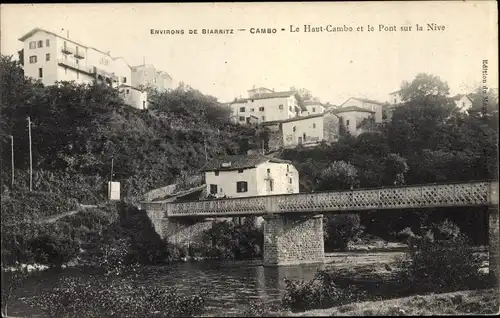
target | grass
[{"x": 478, "y": 302}]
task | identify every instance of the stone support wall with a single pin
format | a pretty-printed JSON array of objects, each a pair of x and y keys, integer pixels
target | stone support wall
[{"x": 291, "y": 240}]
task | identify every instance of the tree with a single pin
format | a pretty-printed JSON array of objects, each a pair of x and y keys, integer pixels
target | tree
[
  {"x": 423, "y": 85},
  {"x": 339, "y": 175},
  {"x": 395, "y": 169},
  {"x": 303, "y": 93}
]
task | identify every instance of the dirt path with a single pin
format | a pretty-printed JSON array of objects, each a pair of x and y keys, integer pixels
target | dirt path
[{"x": 54, "y": 218}]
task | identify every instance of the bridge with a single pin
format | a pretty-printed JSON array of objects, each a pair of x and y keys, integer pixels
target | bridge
[{"x": 293, "y": 231}]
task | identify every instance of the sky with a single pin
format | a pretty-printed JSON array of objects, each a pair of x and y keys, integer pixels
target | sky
[{"x": 332, "y": 65}]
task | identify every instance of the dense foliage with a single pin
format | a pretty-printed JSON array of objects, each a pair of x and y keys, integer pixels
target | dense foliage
[
  {"x": 441, "y": 260},
  {"x": 340, "y": 229}
]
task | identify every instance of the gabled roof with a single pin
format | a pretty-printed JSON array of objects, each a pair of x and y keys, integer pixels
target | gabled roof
[
  {"x": 240, "y": 162},
  {"x": 267, "y": 96},
  {"x": 395, "y": 92},
  {"x": 351, "y": 109},
  {"x": 301, "y": 118},
  {"x": 364, "y": 100},
  {"x": 35, "y": 30}
]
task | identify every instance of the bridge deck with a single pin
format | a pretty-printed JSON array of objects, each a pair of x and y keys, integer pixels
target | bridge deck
[{"x": 416, "y": 196}]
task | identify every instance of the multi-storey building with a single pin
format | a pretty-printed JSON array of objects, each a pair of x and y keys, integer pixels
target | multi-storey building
[
  {"x": 367, "y": 104},
  {"x": 51, "y": 58},
  {"x": 354, "y": 118},
  {"x": 310, "y": 130},
  {"x": 264, "y": 105},
  {"x": 147, "y": 77},
  {"x": 313, "y": 108}
]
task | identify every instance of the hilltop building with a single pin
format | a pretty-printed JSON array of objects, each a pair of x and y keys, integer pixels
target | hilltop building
[
  {"x": 313, "y": 108},
  {"x": 264, "y": 105},
  {"x": 310, "y": 130},
  {"x": 51, "y": 57}
]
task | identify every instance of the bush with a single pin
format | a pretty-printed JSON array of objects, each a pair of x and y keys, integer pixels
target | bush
[
  {"x": 441, "y": 260},
  {"x": 49, "y": 249},
  {"x": 96, "y": 297},
  {"x": 339, "y": 229},
  {"x": 319, "y": 292}
]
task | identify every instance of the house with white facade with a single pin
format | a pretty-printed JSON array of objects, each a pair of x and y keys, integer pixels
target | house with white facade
[
  {"x": 313, "y": 108},
  {"x": 266, "y": 105},
  {"x": 146, "y": 76},
  {"x": 250, "y": 175},
  {"x": 367, "y": 104},
  {"x": 355, "y": 119},
  {"x": 394, "y": 97},
  {"x": 310, "y": 130},
  {"x": 51, "y": 58},
  {"x": 462, "y": 101}
]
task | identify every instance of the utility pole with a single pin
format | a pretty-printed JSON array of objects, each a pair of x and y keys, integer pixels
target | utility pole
[
  {"x": 110, "y": 180},
  {"x": 31, "y": 156},
  {"x": 12, "y": 159}
]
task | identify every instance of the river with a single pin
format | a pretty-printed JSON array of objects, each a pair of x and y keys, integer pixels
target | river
[{"x": 231, "y": 286}]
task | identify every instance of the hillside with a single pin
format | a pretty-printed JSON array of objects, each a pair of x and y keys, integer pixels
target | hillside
[{"x": 77, "y": 130}]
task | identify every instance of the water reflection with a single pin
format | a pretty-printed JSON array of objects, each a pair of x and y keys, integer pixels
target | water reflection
[{"x": 231, "y": 286}]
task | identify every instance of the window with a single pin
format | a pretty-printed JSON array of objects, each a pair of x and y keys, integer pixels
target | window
[
  {"x": 216, "y": 173},
  {"x": 290, "y": 108},
  {"x": 143, "y": 104},
  {"x": 33, "y": 59},
  {"x": 47, "y": 57},
  {"x": 263, "y": 117},
  {"x": 128, "y": 91},
  {"x": 463, "y": 104},
  {"x": 287, "y": 168},
  {"x": 261, "y": 109},
  {"x": 32, "y": 45},
  {"x": 347, "y": 122},
  {"x": 294, "y": 128},
  {"x": 252, "y": 109},
  {"x": 241, "y": 186},
  {"x": 394, "y": 100},
  {"x": 240, "y": 170},
  {"x": 268, "y": 171},
  {"x": 314, "y": 125},
  {"x": 213, "y": 189},
  {"x": 242, "y": 118},
  {"x": 281, "y": 106},
  {"x": 242, "y": 109},
  {"x": 290, "y": 180},
  {"x": 47, "y": 42},
  {"x": 124, "y": 80},
  {"x": 314, "y": 109},
  {"x": 40, "y": 72},
  {"x": 40, "y": 43}
]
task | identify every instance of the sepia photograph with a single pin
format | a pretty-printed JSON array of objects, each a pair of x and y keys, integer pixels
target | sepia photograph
[{"x": 244, "y": 159}]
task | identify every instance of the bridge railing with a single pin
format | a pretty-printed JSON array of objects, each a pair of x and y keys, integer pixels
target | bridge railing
[{"x": 414, "y": 196}]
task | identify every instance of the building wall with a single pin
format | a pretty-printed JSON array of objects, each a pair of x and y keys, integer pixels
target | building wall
[
  {"x": 352, "y": 119},
  {"x": 123, "y": 71},
  {"x": 313, "y": 110},
  {"x": 394, "y": 98},
  {"x": 463, "y": 103},
  {"x": 285, "y": 178},
  {"x": 368, "y": 106},
  {"x": 311, "y": 127},
  {"x": 49, "y": 67},
  {"x": 135, "y": 98},
  {"x": 271, "y": 111},
  {"x": 331, "y": 127},
  {"x": 226, "y": 182}
]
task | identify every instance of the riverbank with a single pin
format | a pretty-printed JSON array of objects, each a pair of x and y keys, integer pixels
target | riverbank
[{"x": 463, "y": 302}]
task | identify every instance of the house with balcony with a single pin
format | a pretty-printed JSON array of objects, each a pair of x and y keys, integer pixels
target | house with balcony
[
  {"x": 250, "y": 175},
  {"x": 266, "y": 105},
  {"x": 51, "y": 58},
  {"x": 310, "y": 130}
]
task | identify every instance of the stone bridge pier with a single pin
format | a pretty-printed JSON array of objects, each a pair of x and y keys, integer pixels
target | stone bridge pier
[{"x": 291, "y": 239}]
